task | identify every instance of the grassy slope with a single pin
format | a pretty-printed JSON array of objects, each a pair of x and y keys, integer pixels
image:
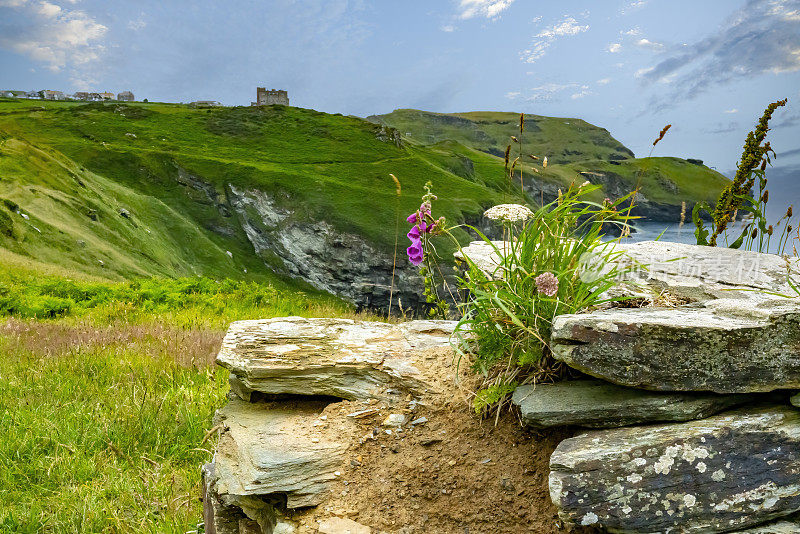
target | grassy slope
[
  {"x": 571, "y": 145},
  {"x": 563, "y": 140},
  {"x": 60, "y": 160},
  {"x": 321, "y": 165}
]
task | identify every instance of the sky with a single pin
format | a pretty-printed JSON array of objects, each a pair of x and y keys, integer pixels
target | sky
[{"x": 707, "y": 67}]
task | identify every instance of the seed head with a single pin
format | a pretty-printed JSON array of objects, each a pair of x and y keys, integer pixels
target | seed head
[
  {"x": 662, "y": 133},
  {"x": 547, "y": 284}
]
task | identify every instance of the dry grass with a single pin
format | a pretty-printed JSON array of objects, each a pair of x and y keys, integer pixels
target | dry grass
[{"x": 59, "y": 339}]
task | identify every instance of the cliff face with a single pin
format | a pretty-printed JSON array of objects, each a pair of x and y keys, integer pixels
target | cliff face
[{"x": 343, "y": 264}]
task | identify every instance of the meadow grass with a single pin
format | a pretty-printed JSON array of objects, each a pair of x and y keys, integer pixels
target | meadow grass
[
  {"x": 103, "y": 429},
  {"x": 107, "y": 392}
]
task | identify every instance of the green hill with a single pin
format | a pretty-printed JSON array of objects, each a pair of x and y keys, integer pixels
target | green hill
[
  {"x": 576, "y": 150},
  {"x": 563, "y": 140},
  {"x": 119, "y": 191}
]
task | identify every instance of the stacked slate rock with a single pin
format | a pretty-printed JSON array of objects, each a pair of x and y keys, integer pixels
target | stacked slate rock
[
  {"x": 694, "y": 429},
  {"x": 272, "y": 455}
]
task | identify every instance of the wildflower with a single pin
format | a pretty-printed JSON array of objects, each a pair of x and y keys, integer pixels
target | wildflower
[
  {"x": 547, "y": 284},
  {"x": 415, "y": 252},
  {"x": 789, "y": 212},
  {"x": 508, "y": 213}
]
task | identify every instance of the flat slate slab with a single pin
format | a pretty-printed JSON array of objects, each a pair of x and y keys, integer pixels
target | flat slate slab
[
  {"x": 728, "y": 472},
  {"x": 735, "y": 334},
  {"x": 731, "y": 346},
  {"x": 353, "y": 360},
  {"x": 598, "y": 404},
  {"x": 776, "y": 527},
  {"x": 276, "y": 449}
]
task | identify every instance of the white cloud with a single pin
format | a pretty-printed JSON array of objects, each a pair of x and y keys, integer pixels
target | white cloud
[
  {"x": 649, "y": 45},
  {"x": 448, "y": 28},
  {"x": 633, "y": 6},
  {"x": 489, "y": 9},
  {"x": 633, "y": 32},
  {"x": 137, "y": 24},
  {"x": 644, "y": 71},
  {"x": 614, "y": 47},
  {"x": 569, "y": 26},
  {"x": 52, "y": 35},
  {"x": 734, "y": 110},
  {"x": 46, "y": 9},
  {"x": 583, "y": 92},
  {"x": 604, "y": 81},
  {"x": 545, "y": 38},
  {"x": 551, "y": 92},
  {"x": 762, "y": 37}
]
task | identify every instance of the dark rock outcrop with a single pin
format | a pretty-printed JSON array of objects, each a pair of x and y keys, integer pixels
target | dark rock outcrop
[{"x": 728, "y": 472}]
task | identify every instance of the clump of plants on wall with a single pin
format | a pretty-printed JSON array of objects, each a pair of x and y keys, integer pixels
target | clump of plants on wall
[{"x": 552, "y": 260}]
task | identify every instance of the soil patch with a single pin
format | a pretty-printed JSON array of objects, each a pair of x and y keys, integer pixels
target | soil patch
[{"x": 442, "y": 471}]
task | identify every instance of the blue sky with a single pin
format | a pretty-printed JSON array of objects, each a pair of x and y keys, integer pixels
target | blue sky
[{"x": 709, "y": 68}]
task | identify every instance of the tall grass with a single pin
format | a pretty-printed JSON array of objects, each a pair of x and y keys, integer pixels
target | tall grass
[
  {"x": 102, "y": 430},
  {"x": 551, "y": 264}
]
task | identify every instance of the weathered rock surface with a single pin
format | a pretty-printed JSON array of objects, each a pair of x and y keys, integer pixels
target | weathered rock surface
[
  {"x": 795, "y": 400},
  {"x": 275, "y": 449},
  {"x": 735, "y": 336},
  {"x": 728, "y": 472},
  {"x": 726, "y": 346},
  {"x": 331, "y": 260},
  {"x": 597, "y": 404},
  {"x": 776, "y": 527},
  {"x": 338, "y": 357}
]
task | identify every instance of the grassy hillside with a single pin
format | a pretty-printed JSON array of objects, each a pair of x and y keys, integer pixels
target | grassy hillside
[
  {"x": 572, "y": 146},
  {"x": 127, "y": 190},
  {"x": 563, "y": 140},
  {"x": 323, "y": 166}
]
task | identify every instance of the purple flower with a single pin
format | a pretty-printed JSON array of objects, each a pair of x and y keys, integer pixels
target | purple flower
[
  {"x": 413, "y": 234},
  {"x": 412, "y": 218},
  {"x": 415, "y": 252}
]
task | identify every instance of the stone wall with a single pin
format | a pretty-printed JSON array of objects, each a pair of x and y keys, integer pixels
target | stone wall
[{"x": 687, "y": 414}]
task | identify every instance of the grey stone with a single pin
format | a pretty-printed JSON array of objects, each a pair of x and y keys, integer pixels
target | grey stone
[
  {"x": 275, "y": 449},
  {"x": 735, "y": 335},
  {"x": 328, "y": 258},
  {"x": 347, "y": 359},
  {"x": 597, "y": 404},
  {"x": 732, "y": 471},
  {"x": 776, "y": 527},
  {"x": 726, "y": 346},
  {"x": 795, "y": 400}
]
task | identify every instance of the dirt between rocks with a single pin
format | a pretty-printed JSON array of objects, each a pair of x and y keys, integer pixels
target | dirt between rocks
[{"x": 442, "y": 471}]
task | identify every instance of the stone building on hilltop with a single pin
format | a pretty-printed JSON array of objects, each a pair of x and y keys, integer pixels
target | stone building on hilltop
[
  {"x": 125, "y": 96},
  {"x": 268, "y": 98}
]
